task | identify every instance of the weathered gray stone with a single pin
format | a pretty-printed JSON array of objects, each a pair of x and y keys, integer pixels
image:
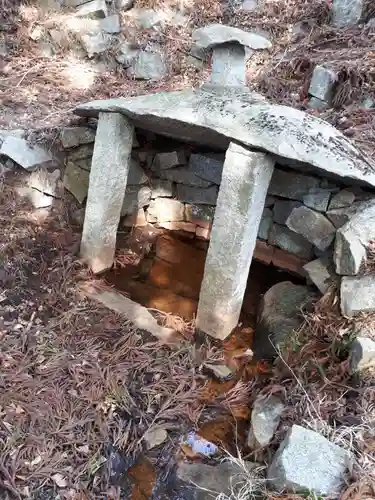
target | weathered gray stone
[
  {"x": 265, "y": 418},
  {"x": 292, "y": 185},
  {"x": 306, "y": 460},
  {"x": 286, "y": 239},
  {"x": 228, "y": 65},
  {"x": 249, "y": 5},
  {"x": 124, "y": 4},
  {"x": 25, "y": 154},
  {"x": 362, "y": 354},
  {"x": 43, "y": 187},
  {"x": 343, "y": 199},
  {"x": 166, "y": 210},
  {"x": 246, "y": 176},
  {"x": 81, "y": 152},
  {"x": 357, "y": 295},
  {"x": 161, "y": 189},
  {"x": 215, "y": 480},
  {"x": 341, "y": 216},
  {"x": 183, "y": 175},
  {"x": 319, "y": 105},
  {"x": 136, "y": 174},
  {"x": 96, "y": 43},
  {"x": 170, "y": 159},
  {"x": 135, "y": 197},
  {"x": 148, "y": 66},
  {"x": 280, "y": 315},
  {"x": 353, "y": 238},
  {"x": 111, "y": 24},
  {"x": 206, "y": 167},
  {"x": 265, "y": 224},
  {"x": 191, "y": 194},
  {"x": 346, "y": 12},
  {"x": 72, "y": 137},
  {"x": 201, "y": 215},
  {"x": 321, "y": 272},
  {"x": 217, "y": 34},
  {"x": 214, "y": 117},
  {"x": 283, "y": 208},
  {"x": 313, "y": 226},
  {"x": 317, "y": 199},
  {"x": 76, "y": 181},
  {"x": 108, "y": 176},
  {"x": 93, "y": 9},
  {"x": 146, "y": 18},
  {"x": 127, "y": 53},
  {"x": 322, "y": 82}
]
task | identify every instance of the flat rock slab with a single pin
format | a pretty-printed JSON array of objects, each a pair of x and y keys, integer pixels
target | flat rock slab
[
  {"x": 357, "y": 295},
  {"x": 214, "y": 117},
  {"x": 22, "y": 152},
  {"x": 306, "y": 460}
]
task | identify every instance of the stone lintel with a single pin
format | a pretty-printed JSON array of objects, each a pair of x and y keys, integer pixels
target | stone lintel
[
  {"x": 240, "y": 204},
  {"x": 108, "y": 177}
]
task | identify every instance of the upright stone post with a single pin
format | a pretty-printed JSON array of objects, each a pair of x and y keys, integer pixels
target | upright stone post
[
  {"x": 228, "y": 65},
  {"x": 243, "y": 189},
  {"x": 108, "y": 176}
]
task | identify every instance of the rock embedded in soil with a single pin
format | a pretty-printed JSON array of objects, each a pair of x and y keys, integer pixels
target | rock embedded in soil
[
  {"x": 362, "y": 354},
  {"x": 155, "y": 437},
  {"x": 307, "y": 461},
  {"x": 226, "y": 478},
  {"x": 228, "y": 66},
  {"x": 346, "y": 12},
  {"x": 322, "y": 82},
  {"x": 220, "y": 371},
  {"x": 72, "y": 137},
  {"x": 265, "y": 418},
  {"x": 279, "y": 317},
  {"x": 148, "y": 66},
  {"x": 313, "y": 226},
  {"x": 27, "y": 155},
  {"x": 357, "y": 295}
]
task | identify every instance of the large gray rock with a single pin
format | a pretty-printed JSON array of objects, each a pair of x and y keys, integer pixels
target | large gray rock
[
  {"x": 108, "y": 176},
  {"x": 357, "y": 295},
  {"x": 292, "y": 185},
  {"x": 322, "y": 82},
  {"x": 313, "y": 226},
  {"x": 217, "y": 34},
  {"x": 27, "y": 155},
  {"x": 148, "y": 66},
  {"x": 346, "y": 12},
  {"x": 206, "y": 167},
  {"x": 246, "y": 176},
  {"x": 127, "y": 53},
  {"x": 222, "y": 479},
  {"x": 307, "y": 461},
  {"x": 286, "y": 239},
  {"x": 362, "y": 354},
  {"x": 200, "y": 196},
  {"x": 279, "y": 317},
  {"x": 265, "y": 418},
  {"x": 214, "y": 117},
  {"x": 353, "y": 238}
]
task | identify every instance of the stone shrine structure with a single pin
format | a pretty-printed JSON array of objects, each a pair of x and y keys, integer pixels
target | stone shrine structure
[{"x": 255, "y": 135}]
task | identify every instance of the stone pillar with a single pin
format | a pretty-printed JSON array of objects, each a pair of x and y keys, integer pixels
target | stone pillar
[
  {"x": 108, "y": 176},
  {"x": 228, "y": 65},
  {"x": 243, "y": 189}
]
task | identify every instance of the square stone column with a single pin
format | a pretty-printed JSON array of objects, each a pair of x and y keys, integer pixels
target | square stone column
[
  {"x": 108, "y": 177},
  {"x": 228, "y": 65},
  {"x": 243, "y": 189}
]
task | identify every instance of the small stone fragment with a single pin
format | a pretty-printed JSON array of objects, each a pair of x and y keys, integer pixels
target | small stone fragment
[
  {"x": 346, "y": 12},
  {"x": 148, "y": 66},
  {"x": 286, "y": 239},
  {"x": 25, "y": 154},
  {"x": 249, "y": 5},
  {"x": 357, "y": 295},
  {"x": 220, "y": 371},
  {"x": 137, "y": 219},
  {"x": 135, "y": 197},
  {"x": 72, "y": 137},
  {"x": 313, "y": 226},
  {"x": 307, "y": 461},
  {"x": 291, "y": 185},
  {"x": 321, "y": 272},
  {"x": 343, "y": 199},
  {"x": 76, "y": 181},
  {"x": 163, "y": 161},
  {"x": 203, "y": 196},
  {"x": 317, "y": 199},
  {"x": 322, "y": 82},
  {"x": 265, "y": 418},
  {"x": 167, "y": 210},
  {"x": 95, "y": 9},
  {"x": 265, "y": 224},
  {"x": 155, "y": 437},
  {"x": 362, "y": 354},
  {"x": 161, "y": 189}
]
